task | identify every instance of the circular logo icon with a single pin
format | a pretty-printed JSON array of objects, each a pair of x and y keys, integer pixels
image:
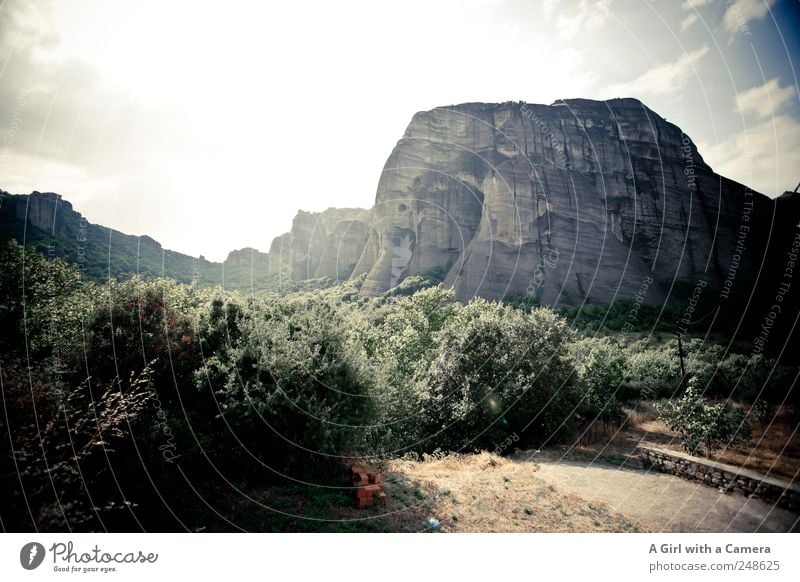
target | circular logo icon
[{"x": 31, "y": 555}]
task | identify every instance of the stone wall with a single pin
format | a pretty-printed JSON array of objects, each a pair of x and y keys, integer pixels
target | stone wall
[{"x": 726, "y": 477}]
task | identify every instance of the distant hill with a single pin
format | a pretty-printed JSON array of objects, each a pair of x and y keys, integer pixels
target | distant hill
[{"x": 48, "y": 223}]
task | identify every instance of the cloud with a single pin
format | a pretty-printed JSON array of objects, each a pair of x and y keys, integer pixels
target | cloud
[
  {"x": 587, "y": 16},
  {"x": 661, "y": 79},
  {"x": 689, "y": 4},
  {"x": 765, "y": 100},
  {"x": 741, "y": 12},
  {"x": 764, "y": 156},
  {"x": 688, "y": 21}
]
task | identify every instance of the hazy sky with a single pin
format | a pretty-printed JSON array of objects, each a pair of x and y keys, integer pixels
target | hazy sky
[{"x": 207, "y": 125}]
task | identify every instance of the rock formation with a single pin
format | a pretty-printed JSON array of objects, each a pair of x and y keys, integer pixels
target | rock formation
[
  {"x": 344, "y": 248},
  {"x": 247, "y": 257},
  {"x": 44, "y": 210},
  {"x": 321, "y": 244},
  {"x": 577, "y": 201}
]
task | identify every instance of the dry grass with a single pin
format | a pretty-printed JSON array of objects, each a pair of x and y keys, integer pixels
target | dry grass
[
  {"x": 465, "y": 493},
  {"x": 485, "y": 493}
]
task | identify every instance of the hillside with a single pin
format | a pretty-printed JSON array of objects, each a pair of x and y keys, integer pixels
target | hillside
[{"x": 48, "y": 223}]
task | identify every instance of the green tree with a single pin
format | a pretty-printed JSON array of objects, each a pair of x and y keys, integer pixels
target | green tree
[
  {"x": 41, "y": 304},
  {"x": 701, "y": 425},
  {"x": 401, "y": 337},
  {"x": 600, "y": 367},
  {"x": 655, "y": 370},
  {"x": 500, "y": 371},
  {"x": 290, "y": 387}
]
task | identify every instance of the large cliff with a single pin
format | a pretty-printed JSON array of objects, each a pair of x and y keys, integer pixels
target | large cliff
[{"x": 577, "y": 201}]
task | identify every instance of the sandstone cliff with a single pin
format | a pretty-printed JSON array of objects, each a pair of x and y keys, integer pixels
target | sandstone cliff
[
  {"x": 321, "y": 244},
  {"x": 577, "y": 201},
  {"x": 247, "y": 258}
]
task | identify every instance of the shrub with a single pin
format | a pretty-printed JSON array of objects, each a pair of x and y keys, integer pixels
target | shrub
[
  {"x": 655, "y": 370},
  {"x": 741, "y": 377},
  {"x": 291, "y": 390},
  {"x": 702, "y": 425},
  {"x": 402, "y": 340},
  {"x": 600, "y": 367},
  {"x": 500, "y": 372},
  {"x": 71, "y": 451},
  {"x": 40, "y": 301},
  {"x": 136, "y": 322}
]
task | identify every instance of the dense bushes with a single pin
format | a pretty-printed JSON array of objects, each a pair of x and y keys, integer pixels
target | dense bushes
[
  {"x": 653, "y": 371},
  {"x": 167, "y": 388},
  {"x": 500, "y": 372},
  {"x": 401, "y": 338},
  {"x": 600, "y": 369},
  {"x": 41, "y": 301},
  {"x": 465, "y": 377},
  {"x": 288, "y": 382}
]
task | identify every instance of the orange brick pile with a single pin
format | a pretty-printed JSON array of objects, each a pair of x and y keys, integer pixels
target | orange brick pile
[{"x": 367, "y": 487}]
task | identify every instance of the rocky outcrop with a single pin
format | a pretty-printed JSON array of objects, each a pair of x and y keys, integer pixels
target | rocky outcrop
[
  {"x": 576, "y": 202},
  {"x": 279, "y": 253},
  {"x": 321, "y": 244},
  {"x": 344, "y": 248},
  {"x": 247, "y": 257},
  {"x": 579, "y": 201},
  {"x": 44, "y": 210}
]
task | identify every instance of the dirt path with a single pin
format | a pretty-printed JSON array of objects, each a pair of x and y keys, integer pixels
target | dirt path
[
  {"x": 519, "y": 493},
  {"x": 666, "y": 502},
  {"x": 485, "y": 493}
]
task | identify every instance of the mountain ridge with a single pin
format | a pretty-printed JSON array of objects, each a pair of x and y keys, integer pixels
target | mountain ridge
[
  {"x": 49, "y": 223},
  {"x": 575, "y": 202}
]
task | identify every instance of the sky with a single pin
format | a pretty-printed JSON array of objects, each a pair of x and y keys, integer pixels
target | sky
[{"x": 208, "y": 125}]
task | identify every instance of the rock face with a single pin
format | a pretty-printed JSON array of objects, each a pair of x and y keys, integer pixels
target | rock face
[
  {"x": 247, "y": 258},
  {"x": 344, "y": 248},
  {"x": 279, "y": 253},
  {"x": 44, "y": 210},
  {"x": 321, "y": 244},
  {"x": 576, "y": 202},
  {"x": 579, "y": 201}
]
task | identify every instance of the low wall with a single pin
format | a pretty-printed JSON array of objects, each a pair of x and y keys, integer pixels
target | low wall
[{"x": 722, "y": 476}]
